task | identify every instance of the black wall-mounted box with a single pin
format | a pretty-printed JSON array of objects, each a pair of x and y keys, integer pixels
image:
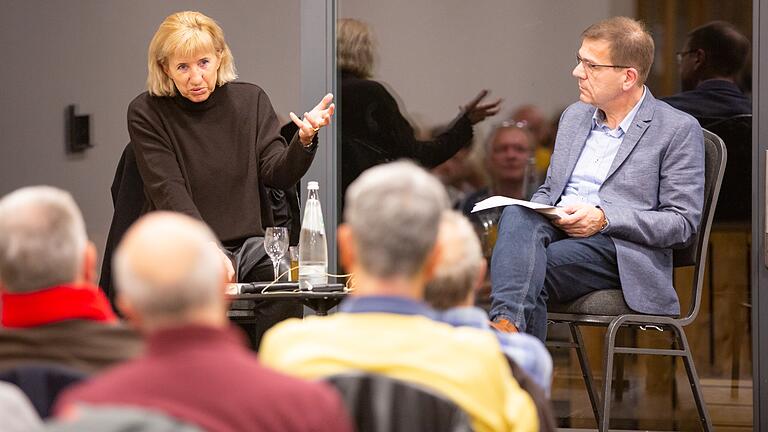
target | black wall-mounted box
[{"x": 78, "y": 131}]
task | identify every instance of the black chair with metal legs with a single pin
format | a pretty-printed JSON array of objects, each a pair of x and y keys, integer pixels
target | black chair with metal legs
[
  {"x": 607, "y": 308},
  {"x": 378, "y": 403}
]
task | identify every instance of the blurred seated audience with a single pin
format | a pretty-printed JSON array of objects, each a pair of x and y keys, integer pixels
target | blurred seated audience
[
  {"x": 460, "y": 175},
  {"x": 540, "y": 127},
  {"x": 16, "y": 411},
  {"x": 388, "y": 241},
  {"x": 711, "y": 62},
  {"x": 52, "y": 311},
  {"x": 510, "y": 165},
  {"x": 460, "y": 272},
  {"x": 508, "y": 160},
  {"x": 197, "y": 368}
]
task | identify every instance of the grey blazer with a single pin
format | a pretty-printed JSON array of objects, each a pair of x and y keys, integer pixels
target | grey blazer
[{"x": 653, "y": 194}]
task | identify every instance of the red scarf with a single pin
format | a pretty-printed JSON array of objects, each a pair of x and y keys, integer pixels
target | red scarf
[{"x": 59, "y": 303}]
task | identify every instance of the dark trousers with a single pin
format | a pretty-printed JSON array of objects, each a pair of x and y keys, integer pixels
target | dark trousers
[
  {"x": 252, "y": 264},
  {"x": 534, "y": 262}
]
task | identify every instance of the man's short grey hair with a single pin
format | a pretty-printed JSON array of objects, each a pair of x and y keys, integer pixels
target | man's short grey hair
[
  {"x": 172, "y": 297},
  {"x": 461, "y": 261},
  {"x": 42, "y": 239},
  {"x": 394, "y": 211}
]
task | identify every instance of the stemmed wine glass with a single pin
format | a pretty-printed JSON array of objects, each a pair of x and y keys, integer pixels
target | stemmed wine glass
[{"x": 276, "y": 244}]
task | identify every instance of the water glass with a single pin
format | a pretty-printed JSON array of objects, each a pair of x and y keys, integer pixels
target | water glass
[{"x": 276, "y": 244}]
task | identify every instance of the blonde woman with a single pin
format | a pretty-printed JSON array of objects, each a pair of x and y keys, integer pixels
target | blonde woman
[{"x": 206, "y": 146}]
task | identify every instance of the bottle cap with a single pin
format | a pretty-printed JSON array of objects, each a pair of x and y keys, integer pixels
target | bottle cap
[{"x": 313, "y": 185}]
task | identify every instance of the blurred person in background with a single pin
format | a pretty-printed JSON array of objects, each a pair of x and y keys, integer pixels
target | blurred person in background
[
  {"x": 461, "y": 175},
  {"x": 374, "y": 130},
  {"x": 509, "y": 163},
  {"x": 711, "y": 61},
  {"x": 540, "y": 128}
]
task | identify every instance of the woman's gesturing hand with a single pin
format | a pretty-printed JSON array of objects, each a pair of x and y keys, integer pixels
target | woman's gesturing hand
[
  {"x": 477, "y": 111},
  {"x": 312, "y": 121}
]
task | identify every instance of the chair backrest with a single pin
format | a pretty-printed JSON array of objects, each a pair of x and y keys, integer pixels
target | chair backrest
[
  {"x": 378, "y": 403},
  {"x": 42, "y": 383},
  {"x": 128, "y": 202},
  {"x": 735, "y": 203},
  {"x": 715, "y": 156},
  {"x": 117, "y": 419}
]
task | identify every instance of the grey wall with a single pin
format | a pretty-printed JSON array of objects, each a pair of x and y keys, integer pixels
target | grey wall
[{"x": 93, "y": 54}]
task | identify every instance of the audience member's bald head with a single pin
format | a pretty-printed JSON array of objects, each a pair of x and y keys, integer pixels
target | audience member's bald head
[
  {"x": 43, "y": 242},
  {"x": 461, "y": 267},
  {"x": 167, "y": 272}
]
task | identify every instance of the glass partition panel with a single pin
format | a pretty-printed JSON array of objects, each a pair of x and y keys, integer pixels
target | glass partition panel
[{"x": 433, "y": 56}]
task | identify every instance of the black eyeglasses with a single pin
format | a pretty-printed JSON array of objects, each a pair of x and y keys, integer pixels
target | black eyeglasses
[
  {"x": 680, "y": 54},
  {"x": 589, "y": 66}
]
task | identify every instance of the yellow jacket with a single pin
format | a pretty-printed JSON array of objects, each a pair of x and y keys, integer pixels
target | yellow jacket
[{"x": 463, "y": 364}]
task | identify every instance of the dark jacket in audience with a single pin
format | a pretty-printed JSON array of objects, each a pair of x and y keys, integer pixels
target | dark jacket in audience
[
  {"x": 374, "y": 131},
  {"x": 712, "y": 99},
  {"x": 69, "y": 326}
]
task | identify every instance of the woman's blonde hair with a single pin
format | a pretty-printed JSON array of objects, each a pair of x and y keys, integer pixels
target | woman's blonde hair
[
  {"x": 186, "y": 34},
  {"x": 354, "y": 47}
]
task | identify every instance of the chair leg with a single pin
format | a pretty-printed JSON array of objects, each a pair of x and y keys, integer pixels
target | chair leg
[
  {"x": 586, "y": 370},
  {"x": 693, "y": 379},
  {"x": 711, "y": 297},
  {"x": 736, "y": 359},
  {"x": 610, "y": 345},
  {"x": 619, "y": 389}
]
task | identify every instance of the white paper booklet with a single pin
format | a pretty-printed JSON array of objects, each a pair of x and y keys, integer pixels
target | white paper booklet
[{"x": 549, "y": 211}]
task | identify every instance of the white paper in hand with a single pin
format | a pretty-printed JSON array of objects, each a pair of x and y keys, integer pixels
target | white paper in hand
[{"x": 549, "y": 211}]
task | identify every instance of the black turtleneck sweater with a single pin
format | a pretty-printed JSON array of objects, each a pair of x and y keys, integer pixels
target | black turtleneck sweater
[{"x": 211, "y": 160}]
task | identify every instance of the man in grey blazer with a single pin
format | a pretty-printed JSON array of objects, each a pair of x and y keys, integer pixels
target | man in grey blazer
[{"x": 629, "y": 172}]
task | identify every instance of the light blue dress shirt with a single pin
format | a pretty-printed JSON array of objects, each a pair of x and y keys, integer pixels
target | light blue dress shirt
[{"x": 596, "y": 158}]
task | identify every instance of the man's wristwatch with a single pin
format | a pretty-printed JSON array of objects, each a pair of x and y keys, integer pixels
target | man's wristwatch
[{"x": 605, "y": 221}]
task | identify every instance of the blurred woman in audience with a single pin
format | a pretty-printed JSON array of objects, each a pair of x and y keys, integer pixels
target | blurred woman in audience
[{"x": 373, "y": 128}]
